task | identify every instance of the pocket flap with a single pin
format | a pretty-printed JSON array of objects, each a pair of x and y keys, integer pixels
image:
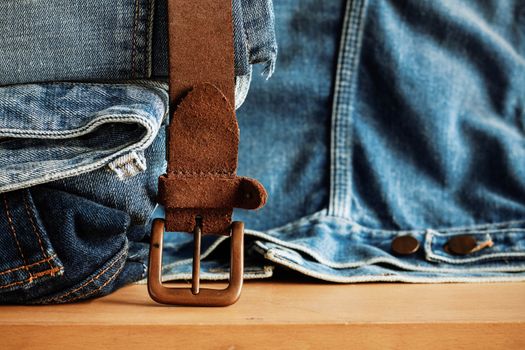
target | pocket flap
[{"x": 463, "y": 247}]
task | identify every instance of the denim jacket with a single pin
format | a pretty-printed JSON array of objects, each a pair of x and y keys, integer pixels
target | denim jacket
[{"x": 384, "y": 119}]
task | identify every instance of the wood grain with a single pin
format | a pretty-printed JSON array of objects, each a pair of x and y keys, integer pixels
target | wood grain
[{"x": 287, "y": 315}]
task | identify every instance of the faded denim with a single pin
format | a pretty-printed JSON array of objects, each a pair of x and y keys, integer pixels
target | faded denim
[
  {"x": 82, "y": 139},
  {"x": 383, "y": 118},
  {"x": 418, "y": 129},
  {"x": 79, "y": 173}
]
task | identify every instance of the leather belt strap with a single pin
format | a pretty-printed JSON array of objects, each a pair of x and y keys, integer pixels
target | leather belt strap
[{"x": 201, "y": 181}]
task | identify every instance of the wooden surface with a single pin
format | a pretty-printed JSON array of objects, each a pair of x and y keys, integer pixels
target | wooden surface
[{"x": 295, "y": 315}]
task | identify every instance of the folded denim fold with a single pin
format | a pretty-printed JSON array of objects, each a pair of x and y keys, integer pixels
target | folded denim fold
[
  {"x": 79, "y": 170},
  {"x": 58, "y": 130},
  {"x": 56, "y": 247},
  {"x": 83, "y": 114}
]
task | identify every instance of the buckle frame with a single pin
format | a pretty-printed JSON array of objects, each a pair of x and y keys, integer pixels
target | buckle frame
[{"x": 196, "y": 296}]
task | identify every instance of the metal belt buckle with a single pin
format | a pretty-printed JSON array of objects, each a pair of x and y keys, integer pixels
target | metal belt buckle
[{"x": 196, "y": 296}]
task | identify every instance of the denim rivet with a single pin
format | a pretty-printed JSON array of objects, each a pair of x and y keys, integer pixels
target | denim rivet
[
  {"x": 405, "y": 245},
  {"x": 461, "y": 245}
]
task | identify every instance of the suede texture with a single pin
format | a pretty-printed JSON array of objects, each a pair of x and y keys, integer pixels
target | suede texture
[{"x": 201, "y": 182}]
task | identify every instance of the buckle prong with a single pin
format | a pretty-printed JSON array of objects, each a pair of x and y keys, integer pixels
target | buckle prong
[
  {"x": 195, "y": 280},
  {"x": 196, "y": 296}
]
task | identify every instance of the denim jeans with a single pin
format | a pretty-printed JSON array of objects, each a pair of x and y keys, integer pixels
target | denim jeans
[
  {"x": 384, "y": 118},
  {"x": 83, "y": 113}
]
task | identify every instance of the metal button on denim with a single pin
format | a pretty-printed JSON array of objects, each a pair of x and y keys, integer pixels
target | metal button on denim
[
  {"x": 462, "y": 245},
  {"x": 405, "y": 245}
]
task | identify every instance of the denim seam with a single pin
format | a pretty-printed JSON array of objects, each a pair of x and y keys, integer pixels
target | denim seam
[
  {"x": 128, "y": 165},
  {"x": 62, "y": 298},
  {"x": 75, "y": 170},
  {"x": 341, "y": 139},
  {"x": 108, "y": 281},
  {"x": 92, "y": 125},
  {"x": 25, "y": 267},
  {"x": 140, "y": 38},
  {"x": 389, "y": 278},
  {"x": 149, "y": 37},
  {"x": 140, "y": 83},
  {"x": 308, "y": 221},
  {"x": 246, "y": 40},
  {"x": 479, "y": 228},
  {"x": 31, "y": 215},
  {"x": 322, "y": 214},
  {"x": 378, "y": 260},
  {"x": 134, "y": 39},
  {"x": 13, "y": 233},
  {"x": 435, "y": 256},
  {"x": 33, "y": 277}
]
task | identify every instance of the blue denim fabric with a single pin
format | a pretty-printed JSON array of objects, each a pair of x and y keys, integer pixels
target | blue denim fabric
[
  {"x": 79, "y": 161},
  {"x": 385, "y": 118},
  {"x": 254, "y": 37},
  {"x": 254, "y": 40},
  {"x": 113, "y": 40},
  {"x": 75, "y": 40},
  {"x": 421, "y": 134},
  {"x": 53, "y": 131},
  {"x": 79, "y": 173}
]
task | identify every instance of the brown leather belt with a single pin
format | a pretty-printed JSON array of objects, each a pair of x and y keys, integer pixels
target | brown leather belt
[{"x": 201, "y": 188}]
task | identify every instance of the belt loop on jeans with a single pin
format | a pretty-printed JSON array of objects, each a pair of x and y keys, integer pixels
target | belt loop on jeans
[{"x": 201, "y": 188}]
